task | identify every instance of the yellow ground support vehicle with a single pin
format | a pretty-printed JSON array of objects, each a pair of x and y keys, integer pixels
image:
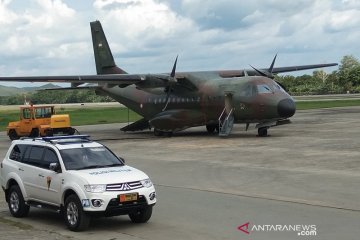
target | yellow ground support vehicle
[{"x": 39, "y": 121}]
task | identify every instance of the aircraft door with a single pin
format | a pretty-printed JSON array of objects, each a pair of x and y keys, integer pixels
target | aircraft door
[{"x": 228, "y": 102}]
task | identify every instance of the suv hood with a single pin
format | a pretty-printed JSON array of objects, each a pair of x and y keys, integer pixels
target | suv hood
[{"x": 111, "y": 175}]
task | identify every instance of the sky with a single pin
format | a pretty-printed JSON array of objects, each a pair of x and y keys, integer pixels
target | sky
[{"x": 52, "y": 37}]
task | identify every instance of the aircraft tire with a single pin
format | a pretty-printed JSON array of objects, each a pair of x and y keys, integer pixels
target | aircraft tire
[
  {"x": 262, "y": 132},
  {"x": 157, "y": 132},
  {"x": 168, "y": 134},
  {"x": 211, "y": 128}
]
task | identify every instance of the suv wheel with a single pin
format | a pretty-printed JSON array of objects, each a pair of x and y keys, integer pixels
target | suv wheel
[
  {"x": 75, "y": 217},
  {"x": 17, "y": 206},
  {"x": 141, "y": 216}
]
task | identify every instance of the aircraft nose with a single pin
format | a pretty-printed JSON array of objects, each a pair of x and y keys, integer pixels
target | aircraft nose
[{"x": 286, "y": 108}]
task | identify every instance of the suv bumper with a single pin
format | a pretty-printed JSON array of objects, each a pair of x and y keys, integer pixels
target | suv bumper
[{"x": 111, "y": 205}]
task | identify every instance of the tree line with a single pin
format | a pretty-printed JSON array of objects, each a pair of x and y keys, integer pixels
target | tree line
[
  {"x": 55, "y": 97},
  {"x": 344, "y": 80}
]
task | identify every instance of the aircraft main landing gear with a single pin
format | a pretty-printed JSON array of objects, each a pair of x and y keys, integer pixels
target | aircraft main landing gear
[
  {"x": 262, "y": 132},
  {"x": 159, "y": 133},
  {"x": 211, "y": 128}
]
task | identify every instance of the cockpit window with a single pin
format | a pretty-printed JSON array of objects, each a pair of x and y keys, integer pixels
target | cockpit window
[
  {"x": 263, "y": 88},
  {"x": 248, "y": 91}
]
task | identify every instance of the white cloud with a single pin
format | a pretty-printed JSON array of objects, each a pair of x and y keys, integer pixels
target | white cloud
[
  {"x": 141, "y": 21},
  {"x": 43, "y": 37},
  {"x": 341, "y": 21},
  {"x": 6, "y": 16}
]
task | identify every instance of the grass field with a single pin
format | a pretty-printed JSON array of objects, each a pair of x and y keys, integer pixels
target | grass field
[
  {"x": 304, "y": 105},
  {"x": 96, "y": 115},
  {"x": 80, "y": 116}
]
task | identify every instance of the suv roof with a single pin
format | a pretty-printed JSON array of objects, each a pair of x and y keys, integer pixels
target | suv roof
[{"x": 63, "y": 142}]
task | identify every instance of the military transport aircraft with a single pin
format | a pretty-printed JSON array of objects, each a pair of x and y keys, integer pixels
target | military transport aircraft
[{"x": 179, "y": 100}]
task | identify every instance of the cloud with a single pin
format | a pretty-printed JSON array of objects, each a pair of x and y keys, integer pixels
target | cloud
[
  {"x": 6, "y": 16},
  {"x": 43, "y": 37}
]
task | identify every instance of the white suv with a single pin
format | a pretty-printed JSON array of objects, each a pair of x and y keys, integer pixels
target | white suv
[{"x": 76, "y": 176}]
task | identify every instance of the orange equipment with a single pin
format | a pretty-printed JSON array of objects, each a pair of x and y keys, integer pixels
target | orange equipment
[{"x": 39, "y": 121}]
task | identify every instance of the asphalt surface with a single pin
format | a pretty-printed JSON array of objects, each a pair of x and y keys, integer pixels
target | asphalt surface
[{"x": 303, "y": 175}]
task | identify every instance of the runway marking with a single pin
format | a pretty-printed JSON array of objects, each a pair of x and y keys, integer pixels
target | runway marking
[{"x": 263, "y": 198}]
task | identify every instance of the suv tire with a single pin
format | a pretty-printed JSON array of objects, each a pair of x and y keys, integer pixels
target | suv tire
[
  {"x": 17, "y": 206},
  {"x": 141, "y": 216},
  {"x": 75, "y": 217}
]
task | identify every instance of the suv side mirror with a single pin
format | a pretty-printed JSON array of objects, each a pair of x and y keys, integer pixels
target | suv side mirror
[{"x": 55, "y": 167}]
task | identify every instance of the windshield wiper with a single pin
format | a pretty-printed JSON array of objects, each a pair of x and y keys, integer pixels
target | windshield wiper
[
  {"x": 114, "y": 165},
  {"x": 92, "y": 166}
]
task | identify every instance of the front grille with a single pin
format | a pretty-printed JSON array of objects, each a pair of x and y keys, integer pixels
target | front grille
[{"x": 118, "y": 187}]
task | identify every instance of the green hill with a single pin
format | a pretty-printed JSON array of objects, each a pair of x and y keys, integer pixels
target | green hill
[{"x": 11, "y": 91}]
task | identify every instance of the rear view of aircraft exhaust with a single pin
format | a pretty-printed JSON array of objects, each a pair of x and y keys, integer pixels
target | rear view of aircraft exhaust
[{"x": 174, "y": 101}]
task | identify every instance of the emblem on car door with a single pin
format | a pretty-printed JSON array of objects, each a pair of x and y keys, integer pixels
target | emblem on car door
[{"x": 48, "y": 181}]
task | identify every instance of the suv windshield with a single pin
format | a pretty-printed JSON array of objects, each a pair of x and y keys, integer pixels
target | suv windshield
[{"x": 86, "y": 158}]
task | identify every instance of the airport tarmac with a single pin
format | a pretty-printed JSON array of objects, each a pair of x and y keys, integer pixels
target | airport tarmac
[{"x": 304, "y": 175}]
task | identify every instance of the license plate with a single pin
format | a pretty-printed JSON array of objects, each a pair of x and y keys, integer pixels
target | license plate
[{"x": 129, "y": 197}]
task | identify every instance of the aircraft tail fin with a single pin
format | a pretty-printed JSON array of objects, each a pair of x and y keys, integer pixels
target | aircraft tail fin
[{"x": 104, "y": 59}]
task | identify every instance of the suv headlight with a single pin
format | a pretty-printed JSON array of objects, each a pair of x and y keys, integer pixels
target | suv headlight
[
  {"x": 95, "y": 188},
  {"x": 146, "y": 183}
]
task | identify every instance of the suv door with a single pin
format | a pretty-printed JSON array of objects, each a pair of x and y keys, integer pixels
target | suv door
[
  {"x": 29, "y": 167},
  {"x": 48, "y": 182}
]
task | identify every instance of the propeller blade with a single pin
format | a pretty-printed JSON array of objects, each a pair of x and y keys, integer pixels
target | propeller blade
[
  {"x": 263, "y": 73},
  {"x": 174, "y": 68},
  {"x": 272, "y": 64},
  {"x": 171, "y": 82},
  {"x": 259, "y": 72}
]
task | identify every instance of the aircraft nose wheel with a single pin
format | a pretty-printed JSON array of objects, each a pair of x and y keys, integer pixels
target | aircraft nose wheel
[
  {"x": 211, "y": 128},
  {"x": 263, "y": 132}
]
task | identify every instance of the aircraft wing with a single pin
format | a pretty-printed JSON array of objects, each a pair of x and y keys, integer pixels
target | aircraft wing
[
  {"x": 80, "y": 79},
  {"x": 302, "y": 67},
  {"x": 143, "y": 81},
  {"x": 146, "y": 80}
]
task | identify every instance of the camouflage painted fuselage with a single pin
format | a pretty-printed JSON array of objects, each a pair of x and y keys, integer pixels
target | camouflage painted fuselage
[{"x": 254, "y": 99}]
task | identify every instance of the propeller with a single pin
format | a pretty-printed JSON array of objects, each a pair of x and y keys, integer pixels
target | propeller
[
  {"x": 171, "y": 82},
  {"x": 267, "y": 72}
]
